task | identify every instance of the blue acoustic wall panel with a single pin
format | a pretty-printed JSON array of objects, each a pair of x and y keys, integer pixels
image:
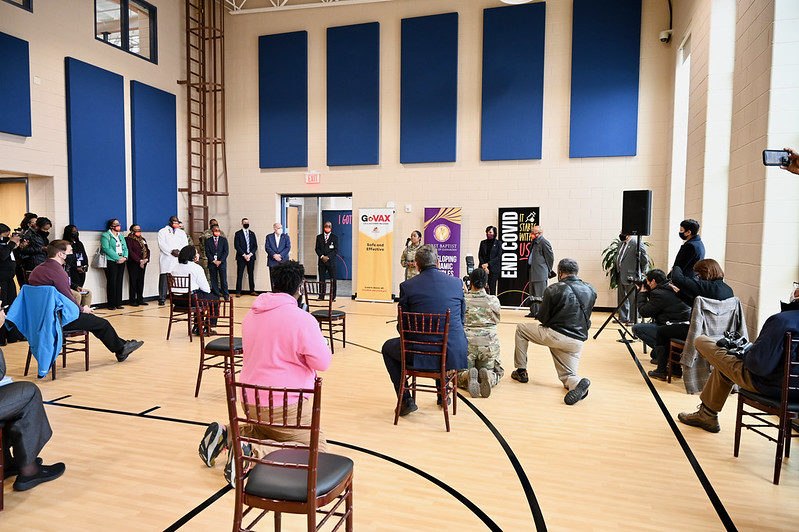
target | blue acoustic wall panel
[
  {"x": 154, "y": 144},
  {"x": 353, "y": 95},
  {"x": 606, "y": 43},
  {"x": 283, "y": 99},
  {"x": 15, "y": 86},
  {"x": 429, "y": 89},
  {"x": 95, "y": 145},
  {"x": 513, "y": 82}
]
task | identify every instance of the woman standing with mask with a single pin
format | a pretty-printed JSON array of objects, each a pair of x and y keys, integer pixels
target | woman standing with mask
[
  {"x": 28, "y": 222},
  {"x": 138, "y": 258},
  {"x": 35, "y": 252},
  {"x": 116, "y": 250},
  {"x": 489, "y": 256},
  {"x": 76, "y": 266},
  {"x": 408, "y": 259}
]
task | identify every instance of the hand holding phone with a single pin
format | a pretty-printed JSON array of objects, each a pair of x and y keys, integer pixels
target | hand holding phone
[{"x": 776, "y": 158}]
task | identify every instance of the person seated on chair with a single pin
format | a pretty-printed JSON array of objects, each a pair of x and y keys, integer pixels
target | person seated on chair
[
  {"x": 709, "y": 283},
  {"x": 759, "y": 369},
  {"x": 52, "y": 273},
  {"x": 657, "y": 300},
  {"x": 565, "y": 318},
  {"x": 430, "y": 292},
  {"x": 26, "y": 431},
  {"x": 283, "y": 347},
  {"x": 480, "y": 324},
  {"x": 188, "y": 266}
]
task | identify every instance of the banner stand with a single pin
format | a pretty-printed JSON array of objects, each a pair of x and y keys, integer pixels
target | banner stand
[
  {"x": 375, "y": 250},
  {"x": 442, "y": 230}
]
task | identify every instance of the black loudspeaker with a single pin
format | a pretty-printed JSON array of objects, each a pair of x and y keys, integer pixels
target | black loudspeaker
[{"x": 636, "y": 213}]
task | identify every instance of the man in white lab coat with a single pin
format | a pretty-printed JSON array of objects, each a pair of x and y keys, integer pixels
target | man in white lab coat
[{"x": 171, "y": 239}]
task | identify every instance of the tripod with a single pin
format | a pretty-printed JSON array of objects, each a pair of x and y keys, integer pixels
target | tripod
[{"x": 634, "y": 290}]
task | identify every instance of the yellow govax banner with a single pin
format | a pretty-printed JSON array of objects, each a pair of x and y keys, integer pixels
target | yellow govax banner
[{"x": 375, "y": 249}]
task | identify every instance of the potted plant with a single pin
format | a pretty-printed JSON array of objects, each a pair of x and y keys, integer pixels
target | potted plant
[{"x": 609, "y": 255}]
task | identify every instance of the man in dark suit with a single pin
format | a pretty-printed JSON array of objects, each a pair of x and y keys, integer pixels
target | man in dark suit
[
  {"x": 490, "y": 257},
  {"x": 434, "y": 292},
  {"x": 246, "y": 245},
  {"x": 26, "y": 432},
  {"x": 216, "y": 251},
  {"x": 541, "y": 260},
  {"x": 327, "y": 250},
  {"x": 278, "y": 247},
  {"x": 628, "y": 267},
  {"x": 693, "y": 250}
]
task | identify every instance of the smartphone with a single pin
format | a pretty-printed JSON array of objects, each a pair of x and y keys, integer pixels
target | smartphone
[{"x": 776, "y": 158}]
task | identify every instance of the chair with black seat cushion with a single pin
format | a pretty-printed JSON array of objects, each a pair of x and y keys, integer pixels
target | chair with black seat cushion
[
  {"x": 675, "y": 355},
  {"x": 180, "y": 305},
  {"x": 426, "y": 335},
  {"x": 74, "y": 342},
  {"x": 320, "y": 305},
  {"x": 295, "y": 479},
  {"x": 785, "y": 408},
  {"x": 219, "y": 349}
]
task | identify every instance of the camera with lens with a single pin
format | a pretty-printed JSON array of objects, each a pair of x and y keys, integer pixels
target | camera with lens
[
  {"x": 637, "y": 281},
  {"x": 734, "y": 343}
]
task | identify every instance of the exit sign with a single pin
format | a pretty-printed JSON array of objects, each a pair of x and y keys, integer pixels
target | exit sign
[{"x": 313, "y": 178}]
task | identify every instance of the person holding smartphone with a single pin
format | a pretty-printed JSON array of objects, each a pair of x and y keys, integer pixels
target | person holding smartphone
[{"x": 76, "y": 266}]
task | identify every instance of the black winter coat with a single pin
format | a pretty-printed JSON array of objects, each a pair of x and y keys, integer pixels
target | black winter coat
[
  {"x": 663, "y": 304},
  {"x": 562, "y": 311}
]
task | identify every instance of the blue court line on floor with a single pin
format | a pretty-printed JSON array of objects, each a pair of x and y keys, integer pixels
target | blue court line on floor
[
  {"x": 183, "y": 520},
  {"x": 726, "y": 520}
]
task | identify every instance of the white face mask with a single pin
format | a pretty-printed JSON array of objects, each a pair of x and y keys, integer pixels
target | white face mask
[{"x": 278, "y": 231}]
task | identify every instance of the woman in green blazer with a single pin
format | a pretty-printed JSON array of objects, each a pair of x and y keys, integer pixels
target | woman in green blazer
[{"x": 113, "y": 246}]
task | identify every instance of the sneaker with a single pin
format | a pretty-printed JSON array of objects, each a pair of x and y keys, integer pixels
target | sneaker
[
  {"x": 408, "y": 406},
  {"x": 578, "y": 393},
  {"x": 214, "y": 442},
  {"x": 653, "y": 361},
  {"x": 659, "y": 375},
  {"x": 474, "y": 384},
  {"x": 46, "y": 474},
  {"x": 161, "y": 303},
  {"x": 485, "y": 383},
  {"x": 519, "y": 375},
  {"x": 230, "y": 469},
  {"x": 529, "y": 315},
  {"x": 702, "y": 418},
  {"x": 130, "y": 346}
]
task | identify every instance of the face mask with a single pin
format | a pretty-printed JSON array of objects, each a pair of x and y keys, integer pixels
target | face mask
[
  {"x": 683, "y": 236},
  {"x": 175, "y": 225},
  {"x": 75, "y": 235},
  {"x": 216, "y": 233},
  {"x": 278, "y": 231},
  {"x": 137, "y": 233},
  {"x": 246, "y": 226},
  {"x": 3, "y": 239},
  {"x": 117, "y": 227},
  {"x": 535, "y": 236},
  {"x": 490, "y": 236},
  {"x": 622, "y": 237},
  {"x": 327, "y": 229}
]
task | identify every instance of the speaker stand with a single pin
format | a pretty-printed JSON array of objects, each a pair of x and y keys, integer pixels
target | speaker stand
[{"x": 630, "y": 337}]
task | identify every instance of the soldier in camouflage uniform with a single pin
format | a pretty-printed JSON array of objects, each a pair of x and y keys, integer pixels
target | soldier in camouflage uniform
[{"x": 482, "y": 315}]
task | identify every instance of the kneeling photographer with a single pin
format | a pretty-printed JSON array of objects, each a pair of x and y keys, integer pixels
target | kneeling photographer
[{"x": 657, "y": 300}]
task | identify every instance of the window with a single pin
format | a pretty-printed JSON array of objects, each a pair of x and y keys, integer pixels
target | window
[
  {"x": 127, "y": 24},
  {"x": 24, "y": 4}
]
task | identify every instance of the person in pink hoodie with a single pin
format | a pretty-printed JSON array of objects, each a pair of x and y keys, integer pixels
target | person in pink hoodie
[{"x": 283, "y": 347}]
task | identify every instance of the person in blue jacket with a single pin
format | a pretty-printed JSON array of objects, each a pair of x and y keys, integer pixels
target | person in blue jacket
[
  {"x": 278, "y": 247},
  {"x": 759, "y": 370},
  {"x": 432, "y": 292}
]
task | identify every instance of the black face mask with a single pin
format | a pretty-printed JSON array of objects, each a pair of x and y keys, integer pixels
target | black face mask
[
  {"x": 246, "y": 226},
  {"x": 622, "y": 237},
  {"x": 3, "y": 239},
  {"x": 75, "y": 236},
  {"x": 683, "y": 235}
]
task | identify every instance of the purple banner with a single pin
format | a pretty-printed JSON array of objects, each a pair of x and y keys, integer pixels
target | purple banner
[{"x": 442, "y": 229}]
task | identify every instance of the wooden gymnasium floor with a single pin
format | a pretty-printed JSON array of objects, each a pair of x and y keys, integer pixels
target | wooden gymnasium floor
[{"x": 611, "y": 462}]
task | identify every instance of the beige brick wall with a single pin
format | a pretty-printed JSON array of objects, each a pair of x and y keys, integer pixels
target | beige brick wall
[
  {"x": 580, "y": 199},
  {"x": 59, "y": 28}
]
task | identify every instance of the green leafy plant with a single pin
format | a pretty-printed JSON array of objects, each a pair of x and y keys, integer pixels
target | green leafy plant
[{"x": 609, "y": 255}]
